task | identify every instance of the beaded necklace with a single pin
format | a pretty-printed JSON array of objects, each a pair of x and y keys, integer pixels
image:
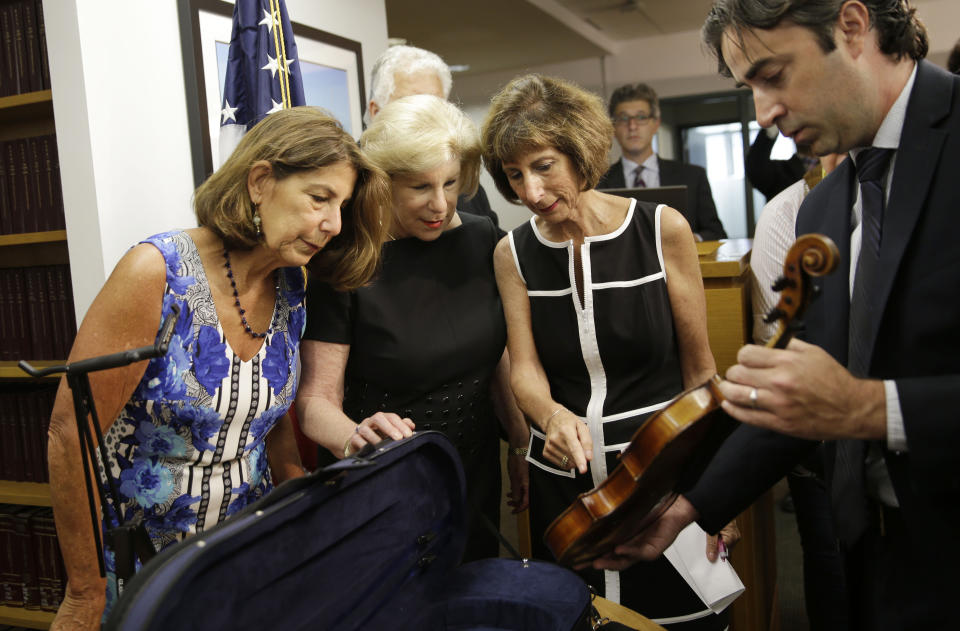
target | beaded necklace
[{"x": 236, "y": 298}]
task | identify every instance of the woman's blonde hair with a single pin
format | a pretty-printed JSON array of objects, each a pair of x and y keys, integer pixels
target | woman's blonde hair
[
  {"x": 421, "y": 132},
  {"x": 533, "y": 112},
  {"x": 295, "y": 140}
]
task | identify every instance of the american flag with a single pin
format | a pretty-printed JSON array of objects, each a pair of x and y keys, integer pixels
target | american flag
[{"x": 263, "y": 75}]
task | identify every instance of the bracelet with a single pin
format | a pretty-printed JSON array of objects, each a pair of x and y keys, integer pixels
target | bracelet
[
  {"x": 546, "y": 421},
  {"x": 519, "y": 451},
  {"x": 346, "y": 445}
]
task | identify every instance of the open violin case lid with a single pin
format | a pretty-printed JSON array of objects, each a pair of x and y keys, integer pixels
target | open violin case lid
[{"x": 370, "y": 542}]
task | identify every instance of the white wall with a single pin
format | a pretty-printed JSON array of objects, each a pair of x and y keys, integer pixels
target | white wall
[{"x": 121, "y": 118}]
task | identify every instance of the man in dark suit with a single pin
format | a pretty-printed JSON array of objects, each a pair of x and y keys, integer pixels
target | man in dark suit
[
  {"x": 407, "y": 70},
  {"x": 635, "y": 110},
  {"x": 878, "y": 378}
]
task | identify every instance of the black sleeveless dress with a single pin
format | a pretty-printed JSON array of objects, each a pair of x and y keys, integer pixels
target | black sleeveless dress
[
  {"x": 612, "y": 361},
  {"x": 425, "y": 338}
]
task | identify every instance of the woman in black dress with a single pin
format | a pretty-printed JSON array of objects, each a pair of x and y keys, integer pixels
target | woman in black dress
[
  {"x": 606, "y": 316},
  {"x": 423, "y": 345}
]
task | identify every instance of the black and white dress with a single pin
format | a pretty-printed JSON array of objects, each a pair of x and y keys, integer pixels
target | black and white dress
[{"x": 613, "y": 361}]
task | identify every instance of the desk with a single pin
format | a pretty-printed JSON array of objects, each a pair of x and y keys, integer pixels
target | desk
[{"x": 726, "y": 283}]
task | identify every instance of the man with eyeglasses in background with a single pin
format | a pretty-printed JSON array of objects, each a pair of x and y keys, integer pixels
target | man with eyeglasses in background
[{"x": 635, "y": 110}]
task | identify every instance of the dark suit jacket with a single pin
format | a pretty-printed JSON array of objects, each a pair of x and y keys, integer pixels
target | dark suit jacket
[
  {"x": 701, "y": 212},
  {"x": 916, "y": 336}
]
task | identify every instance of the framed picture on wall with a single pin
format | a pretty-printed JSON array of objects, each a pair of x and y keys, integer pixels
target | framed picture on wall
[{"x": 331, "y": 67}]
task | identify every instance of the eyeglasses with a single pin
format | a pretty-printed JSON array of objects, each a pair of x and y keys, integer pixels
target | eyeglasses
[{"x": 639, "y": 119}]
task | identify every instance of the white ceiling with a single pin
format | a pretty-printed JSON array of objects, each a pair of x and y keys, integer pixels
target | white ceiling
[{"x": 498, "y": 34}]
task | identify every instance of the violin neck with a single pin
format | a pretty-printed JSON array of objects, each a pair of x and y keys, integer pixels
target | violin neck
[{"x": 781, "y": 337}]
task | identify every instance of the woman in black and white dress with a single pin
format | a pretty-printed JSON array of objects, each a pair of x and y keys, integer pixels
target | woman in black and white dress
[{"x": 606, "y": 316}]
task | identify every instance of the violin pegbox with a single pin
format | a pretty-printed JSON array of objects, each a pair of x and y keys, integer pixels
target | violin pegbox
[{"x": 810, "y": 255}]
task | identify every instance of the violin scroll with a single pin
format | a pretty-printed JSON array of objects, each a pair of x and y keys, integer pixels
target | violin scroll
[{"x": 810, "y": 255}]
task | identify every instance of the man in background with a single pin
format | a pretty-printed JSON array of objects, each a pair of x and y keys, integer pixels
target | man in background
[
  {"x": 406, "y": 70},
  {"x": 635, "y": 110}
]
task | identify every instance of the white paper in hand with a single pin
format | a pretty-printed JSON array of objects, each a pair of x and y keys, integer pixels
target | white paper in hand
[{"x": 717, "y": 584}]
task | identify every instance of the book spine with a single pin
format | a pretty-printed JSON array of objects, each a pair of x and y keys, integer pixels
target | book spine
[
  {"x": 14, "y": 194},
  {"x": 29, "y": 581},
  {"x": 6, "y": 316},
  {"x": 25, "y": 450},
  {"x": 37, "y": 220},
  {"x": 16, "y": 559},
  {"x": 9, "y": 80},
  {"x": 39, "y": 545},
  {"x": 21, "y": 328},
  {"x": 27, "y": 208},
  {"x": 44, "y": 58},
  {"x": 10, "y": 592},
  {"x": 71, "y": 313},
  {"x": 20, "y": 48},
  {"x": 54, "y": 308},
  {"x": 10, "y": 434},
  {"x": 32, "y": 46},
  {"x": 48, "y": 198},
  {"x": 6, "y": 206},
  {"x": 35, "y": 310},
  {"x": 59, "y": 222}
]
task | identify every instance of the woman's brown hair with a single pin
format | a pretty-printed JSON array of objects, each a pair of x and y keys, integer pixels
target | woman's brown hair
[
  {"x": 294, "y": 140},
  {"x": 534, "y": 112}
]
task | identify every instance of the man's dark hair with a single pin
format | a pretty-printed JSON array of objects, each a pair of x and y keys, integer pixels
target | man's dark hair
[
  {"x": 635, "y": 92},
  {"x": 953, "y": 61},
  {"x": 900, "y": 32}
]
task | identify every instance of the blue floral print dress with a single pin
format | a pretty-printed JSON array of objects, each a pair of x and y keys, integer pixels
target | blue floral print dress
[{"x": 188, "y": 449}]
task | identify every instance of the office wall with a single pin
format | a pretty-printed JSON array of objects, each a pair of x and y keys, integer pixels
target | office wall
[{"x": 121, "y": 118}]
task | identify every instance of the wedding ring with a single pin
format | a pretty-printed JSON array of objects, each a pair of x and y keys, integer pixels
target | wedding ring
[
  {"x": 753, "y": 398},
  {"x": 564, "y": 461}
]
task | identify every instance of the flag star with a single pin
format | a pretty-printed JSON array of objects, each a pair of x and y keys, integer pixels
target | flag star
[
  {"x": 287, "y": 63},
  {"x": 276, "y": 107},
  {"x": 267, "y": 21},
  {"x": 272, "y": 66},
  {"x": 228, "y": 113}
]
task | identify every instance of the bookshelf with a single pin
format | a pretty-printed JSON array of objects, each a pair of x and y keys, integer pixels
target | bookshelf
[
  {"x": 26, "y": 493},
  {"x": 29, "y": 618},
  {"x": 36, "y": 306}
]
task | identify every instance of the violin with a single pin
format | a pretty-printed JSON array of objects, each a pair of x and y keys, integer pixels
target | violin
[{"x": 672, "y": 448}]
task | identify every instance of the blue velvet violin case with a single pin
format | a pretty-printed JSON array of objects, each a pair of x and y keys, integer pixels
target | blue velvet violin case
[{"x": 370, "y": 542}]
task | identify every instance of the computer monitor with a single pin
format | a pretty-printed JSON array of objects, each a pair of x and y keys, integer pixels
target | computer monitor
[{"x": 673, "y": 196}]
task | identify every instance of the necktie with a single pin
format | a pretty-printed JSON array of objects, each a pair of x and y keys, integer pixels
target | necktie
[
  {"x": 637, "y": 179},
  {"x": 847, "y": 489}
]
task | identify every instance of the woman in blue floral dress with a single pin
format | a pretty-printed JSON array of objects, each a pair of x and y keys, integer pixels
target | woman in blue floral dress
[{"x": 199, "y": 433}]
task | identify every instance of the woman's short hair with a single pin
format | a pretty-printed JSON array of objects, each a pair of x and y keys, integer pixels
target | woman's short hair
[
  {"x": 295, "y": 140},
  {"x": 420, "y": 133},
  {"x": 533, "y": 112}
]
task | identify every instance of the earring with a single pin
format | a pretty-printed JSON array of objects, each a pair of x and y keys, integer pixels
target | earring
[{"x": 256, "y": 219}]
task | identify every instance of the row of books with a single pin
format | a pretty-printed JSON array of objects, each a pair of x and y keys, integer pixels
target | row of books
[
  {"x": 24, "y": 420},
  {"x": 23, "y": 55},
  {"x": 31, "y": 566},
  {"x": 37, "y": 320},
  {"x": 30, "y": 195}
]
